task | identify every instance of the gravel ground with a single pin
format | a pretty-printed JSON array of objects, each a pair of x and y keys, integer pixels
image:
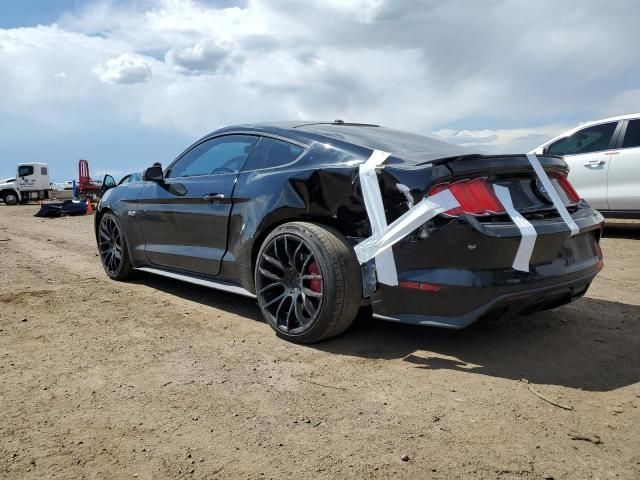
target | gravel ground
[{"x": 159, "y": 379}]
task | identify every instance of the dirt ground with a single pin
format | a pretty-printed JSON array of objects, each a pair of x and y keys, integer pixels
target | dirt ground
[{"x": 160, "y": 379}]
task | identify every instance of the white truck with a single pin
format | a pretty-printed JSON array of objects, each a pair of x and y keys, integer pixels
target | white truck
[{"x": 31, "y": 183}]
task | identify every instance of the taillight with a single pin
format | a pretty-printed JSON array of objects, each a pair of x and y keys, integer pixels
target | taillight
[
  {"x": 474, "y": 196},
  {"x": 427, "y": 287},
  {"x": 568, "y": 189}
]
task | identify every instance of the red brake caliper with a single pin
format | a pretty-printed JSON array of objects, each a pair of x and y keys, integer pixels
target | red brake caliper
[{"x": 316, "y": 283}]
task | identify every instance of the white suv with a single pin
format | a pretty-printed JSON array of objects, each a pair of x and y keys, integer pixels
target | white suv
[{"x": 604, "y": 157}]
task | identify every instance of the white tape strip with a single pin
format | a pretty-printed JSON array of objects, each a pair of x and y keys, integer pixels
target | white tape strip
[
  {"x": 380, "y": 243},
  {"x": 551, "y": 191},
  {"x": 385, "y": 263},
  {"x": 527, "y": 231}
]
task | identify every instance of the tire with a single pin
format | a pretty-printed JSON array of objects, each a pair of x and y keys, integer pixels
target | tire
[
  {"x": 303, "y": 302},
  {"x": 10, "y": 198},
  {"x": 112, "y": 247}
]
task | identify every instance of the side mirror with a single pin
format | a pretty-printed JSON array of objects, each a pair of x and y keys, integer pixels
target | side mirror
[{"x": 153, "y": 174}]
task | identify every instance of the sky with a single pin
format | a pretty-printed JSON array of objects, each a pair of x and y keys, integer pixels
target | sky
[{"x": 124, "y": 84}]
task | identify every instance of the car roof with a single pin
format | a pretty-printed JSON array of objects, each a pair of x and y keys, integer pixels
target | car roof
[
  {"x": 409, "y": 146},
  {"x": 590, "y": 123}
]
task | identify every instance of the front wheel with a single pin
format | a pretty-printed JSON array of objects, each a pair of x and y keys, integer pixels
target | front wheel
[
  {"x": 113, "y": 248},
  {"x": 10, "y": 198},
  {"x": 308, "y": 282}
]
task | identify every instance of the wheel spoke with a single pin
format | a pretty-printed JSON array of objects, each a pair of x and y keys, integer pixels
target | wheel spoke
[
  {"x": 311, "y": 277},
  {"x": 308, "y": 306},
  {"x": 295, "y": 255},
  {"x": 310, "y": 293},
  {"x": 288, "y": 251},
  {"x": 273, "y": 261},
  {"x": 269, "y": 274},
  {"x": 298, "y": 301},
  {"x": 274, "y": 300},
  {"x": 270, "y": 286},
  {"x": 306, "y": 263},
  {"x": 279, "y": 307},
  {"x": 291, "y": 307}
]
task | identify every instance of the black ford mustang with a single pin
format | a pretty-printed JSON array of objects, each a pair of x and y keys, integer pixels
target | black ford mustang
[{"x": 320, "y": 220}]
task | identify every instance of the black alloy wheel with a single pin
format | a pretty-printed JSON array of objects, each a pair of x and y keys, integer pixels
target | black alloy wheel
[
  {"x": 291, "y": 286},
  {"x": 308, "y": 282},
  {"x": 113, "y": 249}
]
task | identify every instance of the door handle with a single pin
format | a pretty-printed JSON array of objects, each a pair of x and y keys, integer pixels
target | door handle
[
  {"x": 213, "y": 196},
  {"x": 594, "y": 163}
]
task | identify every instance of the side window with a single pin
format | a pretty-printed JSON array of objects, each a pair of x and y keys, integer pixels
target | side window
[
  {"x": 43, "y": 170},
  {"x": 25, "y": 171},
  {"x": 590, "y": 139},
  {"x": 272, "y": 153},
  {"x": 213, "y": 157},
  {"x": 632, "y": 136}
]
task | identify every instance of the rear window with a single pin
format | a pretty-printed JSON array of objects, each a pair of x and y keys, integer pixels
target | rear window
[
  {"x": 587, "y": 140},
  {"x": 632, "y": 136},
  {"x": 270, "y": 153}
]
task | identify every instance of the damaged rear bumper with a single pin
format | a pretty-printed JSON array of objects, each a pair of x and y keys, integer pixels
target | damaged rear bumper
[{"x": 467, "y": 266}]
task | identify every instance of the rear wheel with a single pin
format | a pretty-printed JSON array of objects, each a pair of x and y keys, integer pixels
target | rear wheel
[
  {"x": 308, "y": 282},
  {"x": 113, "y": 248},
  {"x": 10, "y": 198}
]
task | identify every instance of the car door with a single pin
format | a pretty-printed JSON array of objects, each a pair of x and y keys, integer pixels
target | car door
[
  {"x": 588, "y": 152},
  {"x": 624, "y": 169},
  {"x": 26, "y": 178},
  {"x": 184, "y": 217},
  {"x": 108, "y": 182}
]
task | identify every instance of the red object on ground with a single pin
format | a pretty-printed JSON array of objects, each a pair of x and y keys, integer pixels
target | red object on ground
[{"x": 85, "y": 183}]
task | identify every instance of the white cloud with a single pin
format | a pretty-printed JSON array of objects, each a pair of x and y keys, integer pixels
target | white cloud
[
  {"x": 513, "y": 140},
  {"x": 498, "y": 75},
  {"x": 126, "y": 69},
  {"x": 206, "y": 56}
]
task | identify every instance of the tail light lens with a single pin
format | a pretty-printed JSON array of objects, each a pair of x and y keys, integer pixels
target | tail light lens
[
  {"x": 474, "y": 196},
  {"x": 427, "y": 287},
  {"x": 568, "y": 189}
]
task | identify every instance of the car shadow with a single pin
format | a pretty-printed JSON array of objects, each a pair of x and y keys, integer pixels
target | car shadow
[
  {"x": 229, "y": 302},
  {"x": 590, "y": 345},
  {"x": 629, "y": 230}
]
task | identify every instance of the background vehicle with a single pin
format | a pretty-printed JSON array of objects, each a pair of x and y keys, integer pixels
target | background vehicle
[
  {"x": 109, "y": 182},
  {"x": 275, "y": 210},
  {"x": 31, "y": 183},
  {"x": 131, "y": 177},
  {"x": 604, "y": 157}
]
